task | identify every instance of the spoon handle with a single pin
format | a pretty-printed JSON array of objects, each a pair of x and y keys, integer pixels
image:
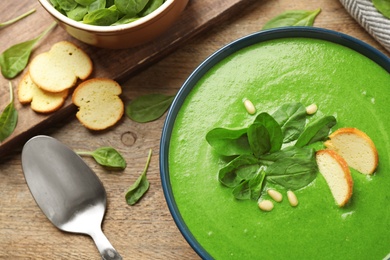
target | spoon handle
[{"x": 104, "y": 246}]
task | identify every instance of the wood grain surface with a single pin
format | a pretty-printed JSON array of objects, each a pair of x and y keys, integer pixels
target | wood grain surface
[
  {"x": 115, "y": 64},
  {"x": 146, "y": 230}
]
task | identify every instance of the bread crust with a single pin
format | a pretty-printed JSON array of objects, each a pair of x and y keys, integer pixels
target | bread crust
[
  {"x": 59, "y": 68},
  {"x": 351, "y": 131},
  {"x": 330, "y": 177},
  {"x": 40, "y": 100},
  {"x": 100, "y": 106}
]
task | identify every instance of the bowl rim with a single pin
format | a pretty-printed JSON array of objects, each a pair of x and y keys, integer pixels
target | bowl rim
[
  {"x": 167, "y": 5},
  {"x": 258, "y": 37}
]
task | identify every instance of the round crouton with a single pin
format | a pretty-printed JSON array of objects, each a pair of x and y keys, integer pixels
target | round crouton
[
  {"x": 337, "y": 175},
  {"x": 356, "y": 147},
  {"x": 60, "y": 67},
  {"x": 99, "y": 103},
  {"x": 40, "y": 100}
]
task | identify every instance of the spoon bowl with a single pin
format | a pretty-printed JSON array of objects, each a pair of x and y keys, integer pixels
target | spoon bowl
[{"x": 68, "y": 192}]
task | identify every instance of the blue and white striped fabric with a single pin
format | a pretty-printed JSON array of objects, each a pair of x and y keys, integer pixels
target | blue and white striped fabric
[{"x": 364, "y": 12}]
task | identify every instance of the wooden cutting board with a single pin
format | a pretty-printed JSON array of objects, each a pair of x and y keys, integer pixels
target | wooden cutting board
[{"x": 115, "y": 64}]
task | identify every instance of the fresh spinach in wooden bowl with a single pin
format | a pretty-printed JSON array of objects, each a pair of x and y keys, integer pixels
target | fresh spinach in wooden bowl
[{"x": 115, "y": 24}]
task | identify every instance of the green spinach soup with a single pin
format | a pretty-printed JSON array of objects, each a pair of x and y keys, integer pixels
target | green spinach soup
[{"x": 342, "y": 83}]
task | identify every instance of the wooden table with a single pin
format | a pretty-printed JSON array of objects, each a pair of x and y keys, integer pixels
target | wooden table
[{"x": 146, "y": 230}]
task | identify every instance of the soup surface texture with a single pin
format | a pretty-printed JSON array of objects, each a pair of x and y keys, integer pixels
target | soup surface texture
[{"x": 342, "y": 83}]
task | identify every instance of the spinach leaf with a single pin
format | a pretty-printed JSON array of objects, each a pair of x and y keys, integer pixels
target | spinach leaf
[
  {"x": 151, "y": 6},
  {"x": 67, "y": 5},
  {"x": 103, "y": 17},
  {"x": 106, "y": 156},
  {"x": 292, "y": 119},
  {"x": 9, "y": 117},
  {"x": 15, "y": 59},
  {"x": 229, "y": 142},
  {"x": 56, "y": 5},
  {"x": 259, "y": 153},
  {"x": 236, "y": 170},
  {"x": 14, "y": 20},
  {"x": 148, "y": 107},
  {"x": 242, "y": 191},
  {"x": 316, "y": 131},
  {"x": 140, "y": 186},
  {"x": 125, "y": 19},
  {"x": 383, "y": 6},
  {"x": 109, "y": 2},
  {"x": 292, "y": 173},
  {"x": 250, "y": 188},
  {"x": 97, "y": 5},
  {"x": 256, "y": 184},
  {"x": 274, "y": 130},
  {"x": 130, "y": 7},
  {"x": 106, "y": 12},
  {"x": 293, "y": 18},
  {"x": 262, "y": 136},
  {"x": 248, "y": 172},
  {"x": 259, "y": 139},
  {"x": 304, "y": 153},
  {"x": 78, "y": 13},
  {"x": 84, "y": 2}
]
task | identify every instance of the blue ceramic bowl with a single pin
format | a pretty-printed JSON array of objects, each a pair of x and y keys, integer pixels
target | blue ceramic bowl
[{"x": 200, "y": 71}]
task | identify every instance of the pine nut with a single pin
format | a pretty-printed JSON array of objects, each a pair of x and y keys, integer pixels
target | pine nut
[
  {"x": 249, "y": 106},
  {"x": 275, "y": 195},
  {"x": 292, "y": 198},
  {"x": 311, "y": 109},
  {"x": 266, "y": 205}
]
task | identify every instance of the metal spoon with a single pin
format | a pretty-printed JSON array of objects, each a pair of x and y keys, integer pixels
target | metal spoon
[{"x": 68, "y": 192}]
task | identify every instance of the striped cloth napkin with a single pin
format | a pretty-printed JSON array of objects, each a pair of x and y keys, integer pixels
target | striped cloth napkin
[{"x": 364, "y": 12}]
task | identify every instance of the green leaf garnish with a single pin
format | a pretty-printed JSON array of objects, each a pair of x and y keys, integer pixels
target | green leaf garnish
[
  {"x": 288, "y": 152},
  {"x": 14, "y": 20},
  {"x": 148, "y": 108},
  {"x": 383, "y": 6},
  {"x": 293, "y": 172},
  {"x": 237, "y": 170},
  {"x": 274, "y": 131},
  {"x": 229, "y": 142},
  {"x": 258, "y": 155},
  {"x": 9, "y": 117},
  {"x": 259, "y": 139},
  {"x": 140, "y": 186},
  {"x": 14, "y": 59},
  {"x": 250, "y": 188},
  {"x": 292, "y": 119},
  {"x": 316, "y": 131},
  {"x": 293, "y": 18},
  {"x": 106, "y": 156}
]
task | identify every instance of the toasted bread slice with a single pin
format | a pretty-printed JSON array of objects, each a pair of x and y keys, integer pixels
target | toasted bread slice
[
  {"x": 41, "y": 101},
  {"x": 356, "y": 148},
  {"x": 60, "y": 67},
  {"x": 337, "y": 174},
  {"x": 99, "y": 103}
]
